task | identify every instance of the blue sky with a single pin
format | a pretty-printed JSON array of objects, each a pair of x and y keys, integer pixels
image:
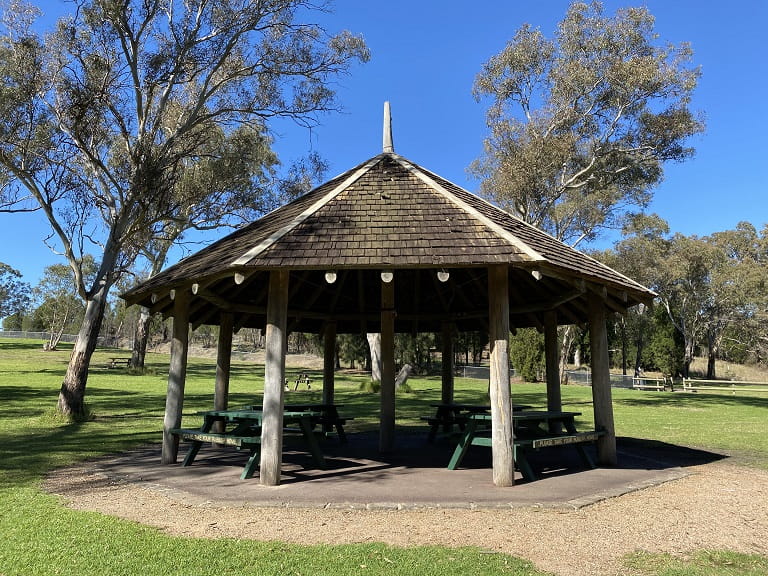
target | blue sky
[{"x": 424, "y": 58}]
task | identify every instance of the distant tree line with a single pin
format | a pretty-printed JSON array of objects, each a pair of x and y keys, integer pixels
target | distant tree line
[{"x": 712, "y": 302}]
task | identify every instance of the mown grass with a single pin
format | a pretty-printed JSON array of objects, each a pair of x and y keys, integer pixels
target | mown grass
[{"x": 43, "y": 537}]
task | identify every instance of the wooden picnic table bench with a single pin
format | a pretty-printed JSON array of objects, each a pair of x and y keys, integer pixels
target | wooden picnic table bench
[
  {"x": 533, "y": 430},
  {"x": 300, "y": 379},
  {"x": 450, "y": 414},
  {"x": 246, "y": 434},
  {"x": 329, "y": 417},
  {"x": 117, "y": 362}
]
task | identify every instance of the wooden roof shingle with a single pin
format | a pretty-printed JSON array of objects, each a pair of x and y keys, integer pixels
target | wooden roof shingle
[{"x": 387, "y": 212}]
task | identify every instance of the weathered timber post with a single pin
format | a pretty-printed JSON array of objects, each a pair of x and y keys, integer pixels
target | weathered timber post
[
  {"x": 274, "y": 379},
  {"x": 223, "y": 366},
  {"x": 177, "y": 376},
  {"x": 447, "y": 363},
  {"x": 601, "y": 381},
  {"x": 501, "y": 406},
  {"x": 329, "y": 367},
  {"x": 552, "y": 361},
  {"x": 329, "y": 362},
  {"x": 387, "y": 411}
]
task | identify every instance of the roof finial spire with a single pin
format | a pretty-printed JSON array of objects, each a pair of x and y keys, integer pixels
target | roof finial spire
[{"x": 388, "y": 147}]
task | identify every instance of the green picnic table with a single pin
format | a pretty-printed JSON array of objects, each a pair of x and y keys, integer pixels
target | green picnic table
[
  {"x": 244, "y": 432},
  {"x": 533, "y": 430}
]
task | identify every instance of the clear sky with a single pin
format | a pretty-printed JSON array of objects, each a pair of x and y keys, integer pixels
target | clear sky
[{"x": 425, "y": 55}]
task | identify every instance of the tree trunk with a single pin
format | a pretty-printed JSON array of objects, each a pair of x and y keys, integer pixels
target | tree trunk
[
  {"x": 374, "y": 343},
  {"x": 568, "y": 335},
  {"x": 140, "y": 338},
  {"x": 712, "y": 350},
  {"x": 72, "y": 393},
  {"x": 623, "y": 347},
  {"x": 688, "y": 359}
]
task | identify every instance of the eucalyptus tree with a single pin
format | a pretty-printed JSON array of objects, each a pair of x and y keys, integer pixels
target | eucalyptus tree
[
  {"x": 645, "y": 242},
  {"x": 104, "y": 118},
  {"x": 14, "y": 293},
  {"x": 59, "y": 307},
  {"x": 581, "y": 124},
  {"x": 738, "y": 279}
]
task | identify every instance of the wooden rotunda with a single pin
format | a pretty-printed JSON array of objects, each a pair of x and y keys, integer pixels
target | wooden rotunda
[{"x": 388, "y": 247}]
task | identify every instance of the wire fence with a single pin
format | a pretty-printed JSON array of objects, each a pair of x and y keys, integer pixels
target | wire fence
[
  {"x": 70, "y": 338},
  {"x": 583, "y": 377}
]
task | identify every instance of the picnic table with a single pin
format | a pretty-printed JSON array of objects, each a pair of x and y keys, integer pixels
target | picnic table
[
  {"x": 446, "y": 415},
  {"x": 329, "y": 417},
  {"x": 533, "y": 430},
  {"x": 119, "y": 361},
  {"x": 245, "y": 433}
]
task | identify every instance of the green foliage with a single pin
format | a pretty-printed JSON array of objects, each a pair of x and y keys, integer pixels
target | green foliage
[
  {"x": 582, "y": 123},
  {"x": 415, "y": 350},
  {"x": 353, "y": 348},
  {"x": 526, "y": 352},
  {"x": 666, "y": 347},
  {"x": 370, "y": 386},
  {"x": 14, "y": 294}
]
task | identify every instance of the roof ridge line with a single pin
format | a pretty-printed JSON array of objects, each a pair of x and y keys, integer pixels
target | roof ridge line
[
  {"x": 429, "y": 181},
  {"x": 274, "y": 237}
]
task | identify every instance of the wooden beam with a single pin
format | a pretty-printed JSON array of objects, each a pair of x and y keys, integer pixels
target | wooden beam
[
  {"x": 501, "y": 406},
  {"x": 387, "y": 411},
  {"x": 223, "y": 367},
  {"x": 601, "y": 381},
  {"x": 274, "y": 379},
  {"x": 177, "y": 375},
  {"x": 552, "y": 361}
]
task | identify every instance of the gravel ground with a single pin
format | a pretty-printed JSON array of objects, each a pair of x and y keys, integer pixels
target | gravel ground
[{"x": 719, "y": 506}]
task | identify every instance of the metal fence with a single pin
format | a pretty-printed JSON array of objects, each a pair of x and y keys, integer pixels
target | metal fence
[
  {"x": 582, "y": 377},
  {"x": 71, "y": 338},
  {"x": 481, "y": 372}
]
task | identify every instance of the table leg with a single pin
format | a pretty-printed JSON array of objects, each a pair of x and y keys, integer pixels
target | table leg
[
  {"x": 521, "y": 460},
  {"x": 305, "y": 422},
  {"x": 194, "y": 447},
  {"x": 464, "y": 443},
  {"x": 252, "y": 464}
]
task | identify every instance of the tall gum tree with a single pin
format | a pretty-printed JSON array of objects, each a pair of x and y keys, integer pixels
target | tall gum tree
[
  {"x": 102, "y": 117},
  {"x": 581, "y": 124}
]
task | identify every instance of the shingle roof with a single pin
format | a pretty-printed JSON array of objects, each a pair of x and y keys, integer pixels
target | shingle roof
[{"x": 385, "y": 213}]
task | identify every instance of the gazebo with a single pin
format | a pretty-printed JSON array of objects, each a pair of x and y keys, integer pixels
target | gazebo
[{"x": 389, "y": 247}]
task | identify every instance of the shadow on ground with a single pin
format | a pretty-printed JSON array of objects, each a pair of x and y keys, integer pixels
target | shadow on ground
[{"x": 414, "y": 475}]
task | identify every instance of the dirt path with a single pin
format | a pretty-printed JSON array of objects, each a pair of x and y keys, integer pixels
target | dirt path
[{"x": 719, "y": 506}]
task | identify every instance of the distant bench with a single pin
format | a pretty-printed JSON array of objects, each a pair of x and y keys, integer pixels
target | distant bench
[{"x": 119, "y": 362}]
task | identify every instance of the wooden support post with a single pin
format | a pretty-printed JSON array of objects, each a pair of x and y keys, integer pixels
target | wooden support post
[
  {"x": 177, "y": 376},
  {"x": 447, "y": 363},
  {"x": 601, "y": 381},
  {"x": 552, "y": 361},
  {"x": 501, "y": 406},
  {"x": 387, "y": 411},
  {"x": 329, "y": 362},
  {"x": 223, "y": 366},
  {"x": 274, "y": 379}
]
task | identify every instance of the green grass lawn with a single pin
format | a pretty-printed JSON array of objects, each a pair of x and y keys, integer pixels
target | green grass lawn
[{"x": 41, "y": 536}]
